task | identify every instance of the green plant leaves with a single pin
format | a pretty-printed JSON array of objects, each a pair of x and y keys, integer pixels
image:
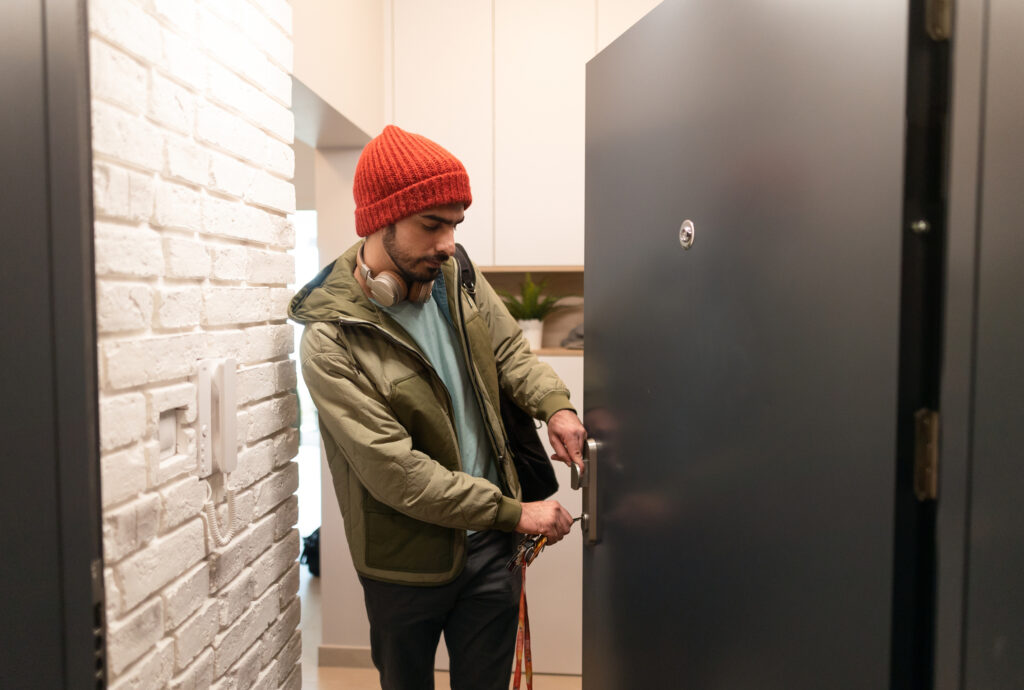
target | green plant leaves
[{"x": 528, "y": 304}]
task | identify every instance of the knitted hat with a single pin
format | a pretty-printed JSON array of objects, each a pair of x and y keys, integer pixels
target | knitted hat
[{"x": 400, "y": 173}]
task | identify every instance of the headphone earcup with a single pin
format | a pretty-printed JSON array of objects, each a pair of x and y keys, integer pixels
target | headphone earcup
[
  {"x": 387, "y": 288},
  {"x": 420, "y": 292}
]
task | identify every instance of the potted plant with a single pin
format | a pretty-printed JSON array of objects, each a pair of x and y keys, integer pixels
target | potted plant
[{"x": 529, "y": 308}]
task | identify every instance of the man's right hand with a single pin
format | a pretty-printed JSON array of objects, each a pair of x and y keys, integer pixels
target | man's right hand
[{"x": 545, "y": 517}]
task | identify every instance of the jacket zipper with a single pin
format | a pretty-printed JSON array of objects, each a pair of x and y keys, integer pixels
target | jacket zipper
[{"x": 476, "y": 387}]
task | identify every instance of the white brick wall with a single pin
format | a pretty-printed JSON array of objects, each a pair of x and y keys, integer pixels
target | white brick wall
[{"x": 192, "y": 134}]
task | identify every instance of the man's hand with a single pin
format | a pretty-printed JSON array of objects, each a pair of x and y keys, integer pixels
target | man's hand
[
  {"x": 545, "y": 517},
  {"x": 567, "y": 436}
]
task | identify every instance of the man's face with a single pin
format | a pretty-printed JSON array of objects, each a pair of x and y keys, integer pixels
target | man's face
[{"x": 420, "y": 243}]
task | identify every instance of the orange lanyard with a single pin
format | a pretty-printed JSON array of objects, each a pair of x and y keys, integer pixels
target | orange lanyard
[{"x": 523, "y": 651}]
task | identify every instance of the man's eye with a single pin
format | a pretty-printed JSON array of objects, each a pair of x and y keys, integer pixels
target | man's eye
[{"x": 432, "y": 227}]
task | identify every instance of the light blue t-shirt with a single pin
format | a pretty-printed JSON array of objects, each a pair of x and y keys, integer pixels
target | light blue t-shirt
[{"x": 431, "y": 327}]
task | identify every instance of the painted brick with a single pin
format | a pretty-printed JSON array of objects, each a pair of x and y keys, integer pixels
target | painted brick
[
  {"x": 198, "y": 675},
  {"x": 183, "y": 61},
  {"x": 280, "y": 157},
  {"x": 229, "y": 175},
  {"x": 150, "y": 360},
  {"x": 256, "y": 383},
  {"x": 283, "y": 231},
  {"x": 162, "y": 470},
  {"x": 171, "y": 105},
  {"x": 280, "y": 632},
  {"x": 271, "y": 192},
  {"x": 229, "y": 263},
  {"x": 180, "y": 13},
  {"x": 181, "y": 501},
  {"x": 231, "y": 47},
  {"x": 217, "y": 127},
  {"x": 289, "y": 672},
  {"x": 276, "y": 488},
  {"x": 185, "y": 258},
  {"x": 122, "y": 193},
  {"x": 126, "y": 25},
  {"x": 184, "y": 596},
  {"x": 130, "y": 526},
  {"x": 288, "y": 588},
  {"x": 152, "y": 671},
  {"x": 186, "y": 161},
  {"x": 280, "y": 11},
  {"x": 278, "y": 300},
  {"x": 117, "y": 77},
  {"x": 129, "y": 138},
  {"x": 286, "y": 517},
  {"x": 134, "y": 635},
  {"x": 267, "y": 679},
  {"x": 268, "y": 342},
  {"x": 122, "y": 420},
  {"x": 195, "y": 634},
  {"x": 163, "y": 560},
  {"x": 227, "y": 344},
  {"x": 270, "y": 37},
  {"x": 127, "y": 251},
  {"x": 179, "y": 308},
  {"x": 272, "y": 415},
  {"x": 181, "y": 397},
  {"x": 233, "y": 219},
  {"x": 246, "y": 670},
  {"x": 278, "y": 84},
  {"x": 228, "y": 561},
  {"x": 286, "y": 447},
  {"x": 272, "y": 564},
  {"x": 177, "y": 206},
  {"x": 123, "y": 307},
  {"x": 253, "y": 463},
  {"x": 234, "y": 598},
  {"x": 275, "y": 268},
  {"x": 232, "y": 643},
  {"x": 112, "y": 594},
  {"x": 223, "y": 306},
  {"x": 124, "y": 475},
  {"x": 236, "y": 94}
]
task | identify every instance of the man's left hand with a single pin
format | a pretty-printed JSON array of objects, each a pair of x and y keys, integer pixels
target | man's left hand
[{"x": 567, "y": 436}]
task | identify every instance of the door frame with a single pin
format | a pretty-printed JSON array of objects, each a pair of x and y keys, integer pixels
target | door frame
[{"x": 53, "y": 570}]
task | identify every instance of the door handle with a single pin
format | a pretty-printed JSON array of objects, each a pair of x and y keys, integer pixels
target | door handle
[{"x": 587, "y": 480}]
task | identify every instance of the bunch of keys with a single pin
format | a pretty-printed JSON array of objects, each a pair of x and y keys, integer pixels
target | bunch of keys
[{"x": 527, "y": 550}]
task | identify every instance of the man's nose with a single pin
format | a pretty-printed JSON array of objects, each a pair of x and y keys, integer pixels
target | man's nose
[{"x": 446, "y": 241}]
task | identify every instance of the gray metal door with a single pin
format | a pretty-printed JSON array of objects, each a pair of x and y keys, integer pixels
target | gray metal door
[{"x": 744, "y": 390}]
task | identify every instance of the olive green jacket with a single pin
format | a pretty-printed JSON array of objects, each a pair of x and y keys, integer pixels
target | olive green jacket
[{"x": 387, "y": 424}]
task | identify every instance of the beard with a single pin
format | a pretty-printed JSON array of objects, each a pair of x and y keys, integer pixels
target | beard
[{"x": 412, "y": 269}]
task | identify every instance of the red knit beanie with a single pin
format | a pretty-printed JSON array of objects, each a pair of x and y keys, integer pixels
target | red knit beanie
[{"x": 400, "y": 173}]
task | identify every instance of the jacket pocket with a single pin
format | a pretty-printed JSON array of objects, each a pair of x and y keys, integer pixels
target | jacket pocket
[{"x": 398, "y": 542}]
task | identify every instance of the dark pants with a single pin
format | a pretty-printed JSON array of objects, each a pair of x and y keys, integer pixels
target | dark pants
[{"x": 478, "y": 613}]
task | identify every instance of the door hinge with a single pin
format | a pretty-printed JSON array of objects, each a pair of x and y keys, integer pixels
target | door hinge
[
  {"x": 926, "y": 455},
  {"x": 938, "y": 19}
]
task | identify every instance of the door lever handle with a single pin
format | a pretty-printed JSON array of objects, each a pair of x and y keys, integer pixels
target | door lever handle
[{"x": 588, "y": 482}]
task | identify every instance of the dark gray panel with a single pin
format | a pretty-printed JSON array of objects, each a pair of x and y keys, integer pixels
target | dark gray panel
[
  {"x": 745, "y": 390},
  {"x": 994, "y": 642}
]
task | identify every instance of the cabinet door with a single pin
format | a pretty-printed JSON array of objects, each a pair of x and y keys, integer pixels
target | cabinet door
[
  {"x": 540, "y": 54},
  {"x": 443, "y": 81}
]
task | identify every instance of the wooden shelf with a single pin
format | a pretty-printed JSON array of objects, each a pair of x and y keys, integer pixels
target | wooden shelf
[
  {"x": 531, "y": 269},
  {"x": 558, "y": 352}
]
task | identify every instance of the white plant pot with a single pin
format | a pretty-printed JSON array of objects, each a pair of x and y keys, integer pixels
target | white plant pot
[{"x": 533, "y": 331}]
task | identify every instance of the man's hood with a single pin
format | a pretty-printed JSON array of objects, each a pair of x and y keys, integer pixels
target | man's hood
[{"x": 333, "y": 294}]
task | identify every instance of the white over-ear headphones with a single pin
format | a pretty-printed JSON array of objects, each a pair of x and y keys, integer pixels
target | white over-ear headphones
[{"x": 388, "y": 289}]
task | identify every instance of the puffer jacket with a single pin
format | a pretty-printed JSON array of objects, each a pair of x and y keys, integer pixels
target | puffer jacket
[{"x": 388, "y": 428}]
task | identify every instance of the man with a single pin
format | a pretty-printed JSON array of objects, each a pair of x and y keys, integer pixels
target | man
[{"x": 405, "y": 369}]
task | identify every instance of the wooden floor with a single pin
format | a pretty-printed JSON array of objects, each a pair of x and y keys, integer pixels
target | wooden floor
[{"x": 337, "y": 678}]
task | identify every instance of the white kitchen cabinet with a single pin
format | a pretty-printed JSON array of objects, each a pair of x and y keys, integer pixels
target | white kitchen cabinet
[
  {"x": 540, "y": 54},
  {"x": 442, "y": 88}
]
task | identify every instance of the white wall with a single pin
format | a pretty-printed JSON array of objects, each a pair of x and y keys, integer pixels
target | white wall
[{"x": 192, "y": 183}]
